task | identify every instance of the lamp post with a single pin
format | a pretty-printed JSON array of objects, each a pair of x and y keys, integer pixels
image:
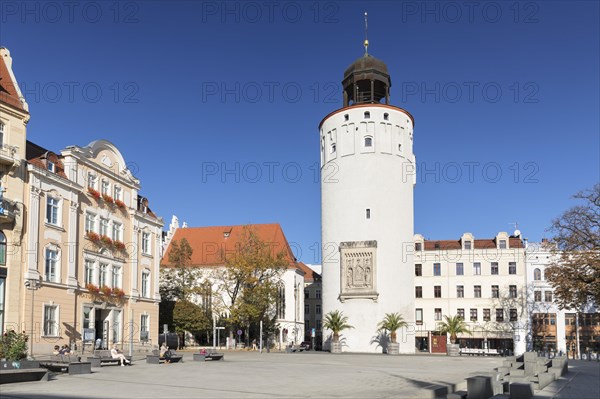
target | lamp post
[{"x": 32, "y": 285}]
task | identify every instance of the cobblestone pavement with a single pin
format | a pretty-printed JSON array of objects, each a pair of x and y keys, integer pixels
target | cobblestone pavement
[{"x": 276, "y": 375}]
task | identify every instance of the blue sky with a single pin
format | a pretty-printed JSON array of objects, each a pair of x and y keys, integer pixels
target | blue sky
[{"x": 216, "y": 105}]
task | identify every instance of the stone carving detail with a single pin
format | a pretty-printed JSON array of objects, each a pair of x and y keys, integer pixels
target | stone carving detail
[{"x": 358, "y": 270}]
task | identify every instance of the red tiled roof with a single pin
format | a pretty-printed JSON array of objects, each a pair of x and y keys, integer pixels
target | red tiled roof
[
  {"x": 39, "y": 156},
  {"x": 309, "y": 274},
  {"x": 8, "y": 92},
  {"x": 211, "y": 244},
  {"x": 488, "y": 243}
]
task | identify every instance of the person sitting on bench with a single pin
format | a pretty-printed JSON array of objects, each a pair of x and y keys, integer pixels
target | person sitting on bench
[
  {"x": 116, "y": 355},
  {"x": 165, "y": 353}
]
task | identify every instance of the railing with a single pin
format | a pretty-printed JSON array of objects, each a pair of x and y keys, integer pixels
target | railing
[
  {"x": 8, "y": 153},
  {"x": 7, "y": 209}
]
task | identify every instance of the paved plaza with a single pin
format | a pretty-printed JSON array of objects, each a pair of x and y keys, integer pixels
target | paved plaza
[{"x": 297, "y": 375}]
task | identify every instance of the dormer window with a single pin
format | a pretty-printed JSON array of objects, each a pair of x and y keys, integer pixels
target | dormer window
[
  {"x": 226, "y": 234},
  {"x": 467, "y": 244},
  {"x": 418, "y": 246},
  {"x": 437, "y": 245},
  {"x": 51, "y": 166},
  {"x": 367, "y": 115},
  {"x": 502, "y": 244}
]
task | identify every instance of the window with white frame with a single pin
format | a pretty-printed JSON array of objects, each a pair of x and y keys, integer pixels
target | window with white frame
[
  {"x": 87, "y": 316},
  {"x": 105, "y": 189},
  {"x": 1, "y": 133},
  {"x": 91, "y": 180},
  {"x": 102, "y": 274},
  {"x": 318, "y": 308},
  {"x": 117, "y": 229},
  {"x": 437, "y": 314},
  {"x": 318, "y": 294},
  {"x": 502, "y": 244},
  {"x": 146, "y": 243},
  {"x": 116, "y": 276},
  {"x": 90, "y": 222},
  {"x": 477, "y": 268},
  {"x": 2, "y": 249},
  {"x": 103, "y": 227},
  {"x": 50, "y": 320},
  {"x": 512, "y": 267},
  {"x": 88, "y": 274},
  {"x": 118, "y": 193},
  {"x": 51, "y": 166},
  {"x": 52, "y": 210},
  {"x": 144, "y": 327},
  {"x": 145, "y": 284},
  {"x": 419, "y": 316},
  {"x": 51, "y": 269}
]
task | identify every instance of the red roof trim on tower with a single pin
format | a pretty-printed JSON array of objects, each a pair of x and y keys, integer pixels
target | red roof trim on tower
[
  {"x": 8, "y": 92},
  {"x": 368, "y": 105}
]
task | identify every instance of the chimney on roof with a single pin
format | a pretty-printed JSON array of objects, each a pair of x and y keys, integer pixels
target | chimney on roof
[{"x": 544, "y": 240}]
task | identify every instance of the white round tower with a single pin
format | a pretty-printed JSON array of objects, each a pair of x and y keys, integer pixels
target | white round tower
[{"x": 367, "y": 178}]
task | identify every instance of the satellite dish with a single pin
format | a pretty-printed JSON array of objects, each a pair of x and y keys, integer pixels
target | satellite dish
[{"x": 517, "y": 233}]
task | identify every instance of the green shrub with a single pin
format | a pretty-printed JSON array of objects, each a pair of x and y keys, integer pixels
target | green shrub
[{"x": 13, "y": 345}]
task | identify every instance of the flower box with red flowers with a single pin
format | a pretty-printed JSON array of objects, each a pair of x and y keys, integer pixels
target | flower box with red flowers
[
  {"x": 94, "y": 193},
  {"x": 119, "y": 245},
  {"x": 107, "y": 198},
  {"x": 92, "y": 288},
  {"x": 119, "y": 203},
  {"x": 94, "y": 237},
  {"x": 106, "y": 240},
  {"x": 106, "y": 290},
  {"x": 119, "y": 293}
]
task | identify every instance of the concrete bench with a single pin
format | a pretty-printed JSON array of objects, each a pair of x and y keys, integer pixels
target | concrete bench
[
  {"x": 72, "y": 368},
  {"x": 200, "y": 357},
  {"x": 104, "y": 358},
  {"x": 156, "y": 358},
  {"x": 8, "y": 376}
]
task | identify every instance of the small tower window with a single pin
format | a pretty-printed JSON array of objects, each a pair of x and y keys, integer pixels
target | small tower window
[
  {"x": 346, "y": 117},
  {"x": 368, "y": 213},
  {"x": 386, "y": 116},
  {"x": 51, "y": 166},
  {"x": 399, "y": 147},
  {"x": 368, "y": 141},
  {"x": 367, "y": 115},
  {"x": 332, "y": 148}
]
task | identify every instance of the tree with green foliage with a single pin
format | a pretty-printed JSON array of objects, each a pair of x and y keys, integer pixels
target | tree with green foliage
[
  {"x": 453, "y": 325},
  {"x": 392, "y": 322},
  {"x": 247, "y": 285},
  {"x": 190, "y": 317},
  {"x": 336, "y": 322},
  {"x": 13, "y": 345}
]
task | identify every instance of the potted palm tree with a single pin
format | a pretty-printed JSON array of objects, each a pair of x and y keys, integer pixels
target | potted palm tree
[
  {"x": 392, "y": 322},
  {"x": 336, "y": 322},
  {"x": 454, "y": 325}
]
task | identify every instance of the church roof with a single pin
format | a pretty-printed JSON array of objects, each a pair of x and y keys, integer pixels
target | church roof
[{"x": 211, "y": 245}]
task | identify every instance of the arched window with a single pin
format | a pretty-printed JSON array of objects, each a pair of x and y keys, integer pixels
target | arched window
[
  {"x": 280, "y": 304},
  {"x": 368, "y": 141},
  {"x": 537, "y": 274},
  {"x": 332, "y": 148},
  {"x": 2, "y": 249},
  {"x": 367, "y": 115},
  {"x": 386, "y": 116}
]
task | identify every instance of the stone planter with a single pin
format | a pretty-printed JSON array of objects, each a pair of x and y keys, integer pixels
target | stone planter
[
  {"x": 336, "y": 347},
  {"x": 453, "y": 350},
  {"x": 393, "y": 348}
]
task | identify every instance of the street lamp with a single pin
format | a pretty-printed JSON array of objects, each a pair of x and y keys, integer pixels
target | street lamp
[{"x": 32, "y": 285}]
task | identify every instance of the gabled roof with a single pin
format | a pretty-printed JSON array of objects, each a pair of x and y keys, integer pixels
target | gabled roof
[
  {"x": 211, "y": 245},
  {"x": 309, "y": 274},
  {"x": 9, "y": 91}
]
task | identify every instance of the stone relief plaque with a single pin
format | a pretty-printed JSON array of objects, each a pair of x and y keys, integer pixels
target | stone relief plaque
[{"x": 358, "y": 270}]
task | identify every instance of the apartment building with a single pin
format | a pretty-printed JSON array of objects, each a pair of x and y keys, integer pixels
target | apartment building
[
  {"x": 553, "y": 328},
  {"x": 481, "y": 280},
  {"x": 79, "y": 246}
]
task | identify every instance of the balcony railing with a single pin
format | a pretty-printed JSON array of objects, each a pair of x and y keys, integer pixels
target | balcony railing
[
  {"x": 8, "y": 210},
  {"x": 8, "y": 154}
]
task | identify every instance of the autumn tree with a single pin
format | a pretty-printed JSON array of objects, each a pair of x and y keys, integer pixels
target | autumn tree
[
  {"x": 247, "y": 286},
  {"x": 180, "y": 287},
  {"x": 574, "y": 272}
]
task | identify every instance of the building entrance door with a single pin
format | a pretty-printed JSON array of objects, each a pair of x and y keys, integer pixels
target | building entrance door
[
  {"x": 438, "y": 343},
  {"x": 101, "y": 324}
]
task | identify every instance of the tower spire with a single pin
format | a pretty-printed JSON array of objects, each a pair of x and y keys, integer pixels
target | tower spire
[{"x": 366, "y": 43}]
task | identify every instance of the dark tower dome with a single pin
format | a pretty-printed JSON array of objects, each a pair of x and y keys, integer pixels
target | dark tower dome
[{"x": 366, "y": 81}]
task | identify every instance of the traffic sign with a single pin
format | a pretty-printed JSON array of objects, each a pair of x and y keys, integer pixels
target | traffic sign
[{"x": 239, "y": 332}]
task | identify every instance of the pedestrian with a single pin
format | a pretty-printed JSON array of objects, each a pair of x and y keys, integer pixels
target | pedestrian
[
  {"x": 114, "y": 352},
  {"x": 254, "y": 347}
]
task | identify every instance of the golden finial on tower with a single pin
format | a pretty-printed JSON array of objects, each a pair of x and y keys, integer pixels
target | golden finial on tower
[{"x": 366, "y": 44}]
